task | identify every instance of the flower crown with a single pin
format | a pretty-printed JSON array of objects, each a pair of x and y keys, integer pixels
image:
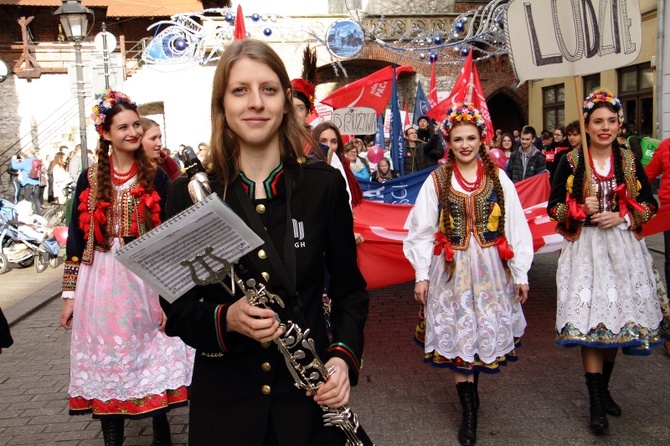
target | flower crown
[
  {"x": 106, "y": 103},
  {"x": 464, "y": 113},
  {"x": 602, "y": 95}
]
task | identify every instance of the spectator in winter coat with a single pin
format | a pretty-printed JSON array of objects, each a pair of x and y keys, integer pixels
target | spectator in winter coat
[{"x": 528, "y": 160}]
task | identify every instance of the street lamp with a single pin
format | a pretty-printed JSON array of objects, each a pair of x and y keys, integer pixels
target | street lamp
[{"x": 74, "y": 19}]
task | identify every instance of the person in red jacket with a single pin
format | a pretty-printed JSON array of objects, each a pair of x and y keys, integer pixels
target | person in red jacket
[{"x": 660, "y": 164}]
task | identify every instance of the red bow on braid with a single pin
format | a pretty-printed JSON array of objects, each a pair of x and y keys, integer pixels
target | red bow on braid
[
  {"x": 574, "y": 209},
  {"x": 99, "y": 216},
  {"x": 626, "y": 200},
  {"x": 441, "y": 242},
  {"x": 147, "y": 201},
  {"x": 100, "y": 219},
  {"x": 504, "y": 251}
]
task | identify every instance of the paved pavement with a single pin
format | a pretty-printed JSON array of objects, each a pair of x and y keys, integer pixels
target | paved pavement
[{"x": 541, "y": 399}]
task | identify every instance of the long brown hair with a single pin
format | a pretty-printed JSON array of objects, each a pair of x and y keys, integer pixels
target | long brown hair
[
  {"x": 491, "y": 170},
  {"x": 328, "y": 125},
  {"x": 146, "y": 169},
  {"x": 224, "y": 146}
]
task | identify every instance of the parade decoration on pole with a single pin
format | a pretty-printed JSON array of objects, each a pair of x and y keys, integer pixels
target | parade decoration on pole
[{"x": 200, "y": 37}]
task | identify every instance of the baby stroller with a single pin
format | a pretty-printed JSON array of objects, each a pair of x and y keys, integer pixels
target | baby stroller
[{"x": 24, "y": 244}]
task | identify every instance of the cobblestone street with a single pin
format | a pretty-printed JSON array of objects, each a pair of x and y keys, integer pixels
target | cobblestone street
[{"x": 539, "y": 400}]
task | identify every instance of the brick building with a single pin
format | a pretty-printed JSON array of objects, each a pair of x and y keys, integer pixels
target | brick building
[{"x": 41, "y": 110}]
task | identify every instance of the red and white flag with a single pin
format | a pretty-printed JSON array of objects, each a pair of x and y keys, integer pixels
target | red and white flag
[
  {"x": 371, "y": 91},
  {"x": 432, "y": 92},
  {"x": 467, "y": 89}
]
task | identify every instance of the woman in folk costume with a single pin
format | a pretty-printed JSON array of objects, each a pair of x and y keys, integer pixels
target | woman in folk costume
[
  {"x": 604, "y": 301},
  {"x": 471, "y": 248},
  {"x": 122, "y": 365}
]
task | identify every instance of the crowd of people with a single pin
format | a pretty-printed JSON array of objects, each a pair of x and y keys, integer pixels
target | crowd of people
[{"x": 135, "y": 355}]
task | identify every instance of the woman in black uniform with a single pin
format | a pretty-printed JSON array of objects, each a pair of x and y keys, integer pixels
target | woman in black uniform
[{"x": 242, "y": 391}]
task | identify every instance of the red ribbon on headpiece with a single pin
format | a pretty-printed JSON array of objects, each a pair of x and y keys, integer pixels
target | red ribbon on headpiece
[
  {"x": 504, "y": 251},
  {"x": 626, "y": 200},
  {"x": 442, "y": 243},
  {"x": 575, "y": 210}
]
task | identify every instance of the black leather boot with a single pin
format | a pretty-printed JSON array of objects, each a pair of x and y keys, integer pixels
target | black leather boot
[
  {"x": 161, "y": 430},
  {"x": 611, "y": 407},
  {"x": 112, "y": 431},
  {"x": 595, "y": 384},
  {"x": 467, "y": 435},
  {"x": 476, "y": 375}
]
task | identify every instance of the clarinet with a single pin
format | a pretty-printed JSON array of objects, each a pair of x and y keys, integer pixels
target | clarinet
[{"x": 295, "y": 344}]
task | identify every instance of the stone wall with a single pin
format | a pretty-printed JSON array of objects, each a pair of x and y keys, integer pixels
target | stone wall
[
  {"x": 9, "y": 131},
  {"x": 408, "y": 7}
]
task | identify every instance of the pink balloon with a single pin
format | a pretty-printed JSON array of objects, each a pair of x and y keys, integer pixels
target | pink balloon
[
  {"x": 498, "y": 157},
  {"x": 375, "y": 154}
]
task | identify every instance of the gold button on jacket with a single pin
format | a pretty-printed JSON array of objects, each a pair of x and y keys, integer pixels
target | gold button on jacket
[
  {"x": 266, "y": 367},
  {"x": 262, "y": 255},
  {"x": 266, "y": 389},
  {"x": 260, "y": 208},
  {"x": 266, "y": 344}
]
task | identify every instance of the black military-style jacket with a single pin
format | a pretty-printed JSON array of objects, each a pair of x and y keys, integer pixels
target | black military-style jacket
[{"x": 239, "y": 385}]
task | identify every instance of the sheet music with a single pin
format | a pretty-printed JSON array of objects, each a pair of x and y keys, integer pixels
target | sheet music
[{"x": 157, "y": 256}]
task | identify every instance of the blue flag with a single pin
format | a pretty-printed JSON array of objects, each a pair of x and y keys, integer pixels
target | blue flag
[
  {"x": 397, "y": 140},
  {"x": 379, "y": 135},
  {"x": 421, "y": 104}
]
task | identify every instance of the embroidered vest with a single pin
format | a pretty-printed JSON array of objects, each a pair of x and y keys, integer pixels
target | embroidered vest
[
  {"x": 475, "y": 214},
  {"x": 571, "y": 229}
]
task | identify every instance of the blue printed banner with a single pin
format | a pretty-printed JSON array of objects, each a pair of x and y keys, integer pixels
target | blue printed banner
[{"x": 402, "y": 190}]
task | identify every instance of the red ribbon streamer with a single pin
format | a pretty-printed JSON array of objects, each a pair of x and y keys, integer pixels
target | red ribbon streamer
[
  {"x": 575, "y": 210},
  {"x": 504, "y": 251},
  {"x": 441, "y": 242},
  {"x": 100, "y": 219},
  {"x": 626, "y": 200}
]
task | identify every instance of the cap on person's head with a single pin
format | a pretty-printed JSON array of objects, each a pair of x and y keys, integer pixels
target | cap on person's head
[
  {"x": 304, "y": 91},
  {"x": 303, "y": 87},
  {"x": 427, "y": 118}
]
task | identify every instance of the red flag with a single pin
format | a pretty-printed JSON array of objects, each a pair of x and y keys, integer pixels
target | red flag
[
  {"x": 380, "y": 257},
  {"x": 432, "y": 93},
  {"x": 407, "y": 124},
  {"x": 371, "y": 91},
  {"x": 240, "y": 30},
  {"x": 458, "y": 92},
  {"x": 659, "y": 222},
  {"x": 479, "y": 102}
]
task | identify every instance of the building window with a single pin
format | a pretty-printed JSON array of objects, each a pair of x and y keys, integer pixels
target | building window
[
  {"x": 591, "y": 83},
  {"x": 636, "y": 92},
  {"x": 553, "y": 106}
]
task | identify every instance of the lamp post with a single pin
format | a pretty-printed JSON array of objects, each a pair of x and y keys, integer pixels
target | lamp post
[{"x": 74, "y": 19}]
